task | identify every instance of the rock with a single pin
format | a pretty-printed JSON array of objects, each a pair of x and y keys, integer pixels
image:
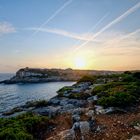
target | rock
[
  {"x": 90, "y": 113},
  {"x": 84, "y": 128},
  {"x": 110, "y": 110},
  {"x": 137, "y": 127},
  {"x": 62, "y": 101},
  {"x": 136, "y": 137},
  {"x": 79, "y": 111},
  {"x": 48, "y": 111},
  {"x": 67, "y": 135},
  {"x": 99, "y": 110},
  {"x": 54, "y": 101},
  {"x": 76, "y": 126},
  {"x": 93, "y": 98},
  {"x": 69, "y": 106},
  {"x": 98, "y": 129},
  {"x": 13, "y": 111},
  {"x": 75, "y": 118},
  {"x": 77, "y": 103}
]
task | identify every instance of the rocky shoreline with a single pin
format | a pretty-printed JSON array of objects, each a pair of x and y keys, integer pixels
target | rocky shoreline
[
  {"x": 82, "y": 114},
  {"x": 93, "y": 108}
]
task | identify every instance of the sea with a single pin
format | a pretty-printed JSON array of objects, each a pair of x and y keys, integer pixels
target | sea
[{"x": 13, "y": 95}]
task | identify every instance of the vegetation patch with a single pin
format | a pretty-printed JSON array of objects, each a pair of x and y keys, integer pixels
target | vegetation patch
[
  {"x": 120, "y": 93},
  {"x": 38, "y": 103},
  {"x": 24, "y": 127}
]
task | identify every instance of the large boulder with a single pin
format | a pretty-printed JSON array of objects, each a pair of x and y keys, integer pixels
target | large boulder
[
  {"x": 84, "y": 129},
  {"x": 47, "y": 111}
]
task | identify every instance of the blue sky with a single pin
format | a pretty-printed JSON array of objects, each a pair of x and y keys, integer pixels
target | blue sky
[{"x": 50, "y": 33}]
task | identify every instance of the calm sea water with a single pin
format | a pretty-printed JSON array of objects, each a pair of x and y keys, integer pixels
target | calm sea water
[{"x": 18, "y": 94}]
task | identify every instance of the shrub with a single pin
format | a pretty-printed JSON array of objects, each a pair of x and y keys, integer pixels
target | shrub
[
  {"x": 136, "y": 75},
  {"x": 87, "y": 79},
  {"x": 39, "y": 103},
  {"x": 24, "y": 127},
  {"x": 117, "y": 100},
  {"x": 9, "y": 134},
  {"x": 66, "y": 88}
]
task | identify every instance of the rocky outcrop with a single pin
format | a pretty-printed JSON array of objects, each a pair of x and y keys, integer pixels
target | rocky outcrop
[{"x": 35, "y": 75}]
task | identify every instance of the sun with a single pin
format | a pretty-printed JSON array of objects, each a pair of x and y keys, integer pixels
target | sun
[{"x": 80, "y": 62}]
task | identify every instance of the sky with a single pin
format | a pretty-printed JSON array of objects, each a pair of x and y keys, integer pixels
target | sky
[{"x": 78, "y": 34}]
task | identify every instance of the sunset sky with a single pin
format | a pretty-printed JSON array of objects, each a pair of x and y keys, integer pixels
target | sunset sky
[{"x": 78, "y": 34}]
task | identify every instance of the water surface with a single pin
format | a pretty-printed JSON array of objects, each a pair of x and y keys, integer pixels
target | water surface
[{"x": 18, "y": 94}]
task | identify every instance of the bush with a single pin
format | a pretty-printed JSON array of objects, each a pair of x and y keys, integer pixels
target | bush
[
  {"x": 66, "y": 88},
  {"x": 117, "y": 100},
  {"x": 9, "y": 134},
  {"x": 39, "y": 103},
  {"x": 24, "y": 127},
  {"x": 87, "y": 79},
  {"x": 136, "y": 75}
]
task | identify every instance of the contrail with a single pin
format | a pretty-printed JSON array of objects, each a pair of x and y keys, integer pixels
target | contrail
[
  {"x": 130, "y": 34},
  {"x": 117, "y": 20},
  {"x": 123, "y": 37},
  {"x": 53, "y": 15},
  {"x": 92, "y": 28}
]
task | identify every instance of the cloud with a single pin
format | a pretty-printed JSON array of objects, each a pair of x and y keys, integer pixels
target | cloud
[
  {"x": 85, "y": 36},
  {"x": 6, "y": 28},
  {"x": 53, "y": 16},
  {"x": 115, "y": 21},
  {"x": 118, "y": 44}
]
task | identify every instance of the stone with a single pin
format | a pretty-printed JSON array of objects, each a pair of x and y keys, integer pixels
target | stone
[
  {"x": 98, "y": 129},
  {"x": 76, "y": 126},
  {"x": 136, "y": 137},
  {"x": 75, "y": 118},
  {"x": 79, "y": 110},
  {"x": 54, "y": 101},
  {"x": 90, "y": 113},
  {"x": 99, "y": 110},
  {"x": 137, "y": 127},
  {"x": 67, "y": 135},
  {"x": 48, "y": 111},
  {"x": 93, "y": 98},
  {"x": 84, "y": 127}
]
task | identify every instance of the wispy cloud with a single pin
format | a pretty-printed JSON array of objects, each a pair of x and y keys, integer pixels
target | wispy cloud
[
  {"x": 115, "y": 21},
  {"x": 6, "y": 28},
  {"x": 85, "y": 36},
  {"x": 92, "y": 28},
  {"x": 123, "y": 39},
  {"x": 52, "y": 16}
]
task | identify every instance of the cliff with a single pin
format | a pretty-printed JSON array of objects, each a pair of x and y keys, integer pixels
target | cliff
[{"x": 36, "y": 75}]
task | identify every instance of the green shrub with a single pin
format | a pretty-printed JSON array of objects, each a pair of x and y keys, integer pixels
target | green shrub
[
  {"x": 39, "y": 103},
  {"x": 79, "y": 96},
  {"x": 117, "y": 100},
  {"x": 23, "y": 127},
  {"x": 136, "y": 75},
  {"x": 66, "y": 88},
  {"x": 10, "y": 134},
  {"x": 87, "y": 79}
]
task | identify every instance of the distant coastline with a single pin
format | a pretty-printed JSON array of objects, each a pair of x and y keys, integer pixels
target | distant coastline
[{"x": 37, "y": 75}]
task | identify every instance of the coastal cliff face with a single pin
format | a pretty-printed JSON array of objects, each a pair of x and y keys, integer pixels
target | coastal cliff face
[{"x": 35, "y": 75}]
